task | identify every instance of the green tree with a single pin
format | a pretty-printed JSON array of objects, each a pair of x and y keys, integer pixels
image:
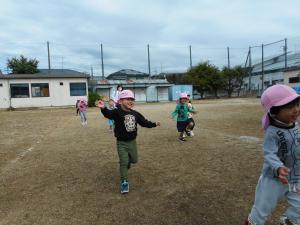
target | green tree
[
  {"x": 23, "y": 65},
  {"x": 234, "y": 79},
  {"x": 205, "y": 77},
  {"x": 93, "y": 96}
]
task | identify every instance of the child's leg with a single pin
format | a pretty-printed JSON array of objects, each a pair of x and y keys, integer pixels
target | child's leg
[
  {"x": 293, "y": 212},
  {"x": 268, "y": 192},
  {"x": 123, "y": 159},
  {"x": 181, "y": 125},
  {"x": 81, "y": 117},
  {"x": 133, "y": 155},
  {"x": 84, "y": 116},
  {"x": 193, "y": 123}
]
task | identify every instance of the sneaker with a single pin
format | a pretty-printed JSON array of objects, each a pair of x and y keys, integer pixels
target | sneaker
[
  {"x": 285, "y": 221},
  {"x": 192, "y": 133},
  {"x": 124, "y": 187},
  {"x": 183, "y": 135},
  {"x": 188, "y": 133},
  {"x": 182, "y": 139}
]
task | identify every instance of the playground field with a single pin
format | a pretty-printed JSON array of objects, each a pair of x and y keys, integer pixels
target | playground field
[{"x": 53, "y": 171}]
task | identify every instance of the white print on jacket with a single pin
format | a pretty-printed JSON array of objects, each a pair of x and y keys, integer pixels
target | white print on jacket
[{"x": 129, "y": 122}]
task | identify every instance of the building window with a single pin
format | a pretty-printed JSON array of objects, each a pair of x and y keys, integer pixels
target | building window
[
  {"x": 294, "y": 79},
  {"x": 1, "y": 85},
  {"x": 61, "y": 83},
  {"x": 19, "y": 90},
  {"x": 40, "y": 90},
  {"x": 77, "y": 89}
]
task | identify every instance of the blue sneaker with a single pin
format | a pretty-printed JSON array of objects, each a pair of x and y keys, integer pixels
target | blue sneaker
[{"x": 124, "y": 187}]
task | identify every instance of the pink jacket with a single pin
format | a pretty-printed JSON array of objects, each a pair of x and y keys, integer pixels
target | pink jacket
[{"x": 82, "y": 106}]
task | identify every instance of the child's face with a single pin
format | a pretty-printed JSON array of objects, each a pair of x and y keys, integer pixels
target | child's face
[
  {"x": 111, "y": 103},
  {"x": 183, "y": 100},
  {"x": 289, "y": 114},
  {"x": 127, "y": 103}
]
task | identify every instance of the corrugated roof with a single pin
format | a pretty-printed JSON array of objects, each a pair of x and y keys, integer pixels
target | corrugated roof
[
  {"x": 277, "y": 62},
  {"x": 123, "y": 74}
]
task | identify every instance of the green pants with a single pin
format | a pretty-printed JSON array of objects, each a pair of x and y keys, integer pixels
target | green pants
[{"x": 127, "y": 152}]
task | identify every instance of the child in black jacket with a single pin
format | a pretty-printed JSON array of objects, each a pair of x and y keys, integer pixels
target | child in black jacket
[{"x": 126, "y": 120}]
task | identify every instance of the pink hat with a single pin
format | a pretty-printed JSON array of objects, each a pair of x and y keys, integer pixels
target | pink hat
[
  {"x": 183, "y": 95},
  {"x": 126, "y": 94},
  {"x": 276, "y": 95}
]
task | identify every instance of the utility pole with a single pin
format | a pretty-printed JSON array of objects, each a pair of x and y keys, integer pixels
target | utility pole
[
  {"x": 191, "y": 65},
  {"x": 262, "y": 68},
  {"x": 250, "y": 68},
  {"x": 228, "y": 58},
  {"x": 285, "y": 53},
  {"x": 149, "y": 68},
  {"x": 102, "y": 65},
  {"x": 92, "y": 72},
  {"x": 62, "y": 63},
  {"x": 49, "y": 65}
]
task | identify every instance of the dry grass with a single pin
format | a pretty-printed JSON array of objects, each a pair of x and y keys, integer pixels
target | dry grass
[{"x": 54, "y": 171}]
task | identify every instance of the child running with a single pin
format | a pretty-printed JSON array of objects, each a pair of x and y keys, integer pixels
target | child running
[
  {"x": 111, "y": 106},
  {"x": 126, "y": 120},
  {"x": 181, "y": 111},
  {"x": 82, "y": 111},
  {"x": 190, "y": 116},
  {"x": 280, "y": 176}
]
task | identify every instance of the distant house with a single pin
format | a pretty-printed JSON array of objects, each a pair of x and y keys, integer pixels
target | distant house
[
  {"x": 127, "y": 74},
  {"x": 171, "y": 77},
  {"x": 57, "y": 87},
  {"x": 144, "y": 88}
]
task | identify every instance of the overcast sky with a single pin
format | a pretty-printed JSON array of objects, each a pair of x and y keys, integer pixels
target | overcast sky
[{"x": 75, "y": 30}]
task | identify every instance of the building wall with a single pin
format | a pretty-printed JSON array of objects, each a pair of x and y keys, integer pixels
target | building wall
[
  {"x": 59, "y": 94},
  {"x": 175, "y": 91},
  {"x": 4, "y": 94},
  {"x": 269, "y": 79}
]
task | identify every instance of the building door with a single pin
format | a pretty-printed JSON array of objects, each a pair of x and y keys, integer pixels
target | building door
[
  {"x": 163, "y": 93},
  {"x": 140, "y": 94}
]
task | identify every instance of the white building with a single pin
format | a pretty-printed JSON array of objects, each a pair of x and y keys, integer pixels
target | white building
[
  {"x": 43, "y": 89},
  {"x": 273, "y": 68}
]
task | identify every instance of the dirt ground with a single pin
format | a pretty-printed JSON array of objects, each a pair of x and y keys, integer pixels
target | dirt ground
[{"x": 54, "y": 171}]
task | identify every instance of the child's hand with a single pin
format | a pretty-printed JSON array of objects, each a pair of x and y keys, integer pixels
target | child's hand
[
  {"x": 157, "y": 124},
  {"x": 283, "y": 173},
  {"x": 100, "y": 104}
]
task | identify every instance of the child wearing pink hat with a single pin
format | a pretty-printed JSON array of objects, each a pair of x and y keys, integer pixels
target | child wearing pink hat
[
  {"x": 82, "y": 106},
  {"x": 125, "y": 129},
  {"x": 280, "y": 176},
  {"x": 182, "y": 110}
]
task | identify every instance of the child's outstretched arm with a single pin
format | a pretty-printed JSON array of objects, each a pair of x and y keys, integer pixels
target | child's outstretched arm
[
  {"x": 146, "y": 123},
  {"x": 110, "y": 114},
  {"x": 175, "y": 112}
]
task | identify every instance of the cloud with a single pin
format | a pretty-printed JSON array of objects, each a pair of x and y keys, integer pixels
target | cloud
[{"x": 75, "y": 30}]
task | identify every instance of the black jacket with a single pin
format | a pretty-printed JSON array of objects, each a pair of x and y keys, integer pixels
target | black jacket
[{"x": 126, "y": 122}]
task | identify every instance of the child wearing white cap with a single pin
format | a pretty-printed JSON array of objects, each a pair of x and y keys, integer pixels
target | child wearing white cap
[
  {"x": 280, "y": 176},
  {"x": 125, "y": 129}
]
